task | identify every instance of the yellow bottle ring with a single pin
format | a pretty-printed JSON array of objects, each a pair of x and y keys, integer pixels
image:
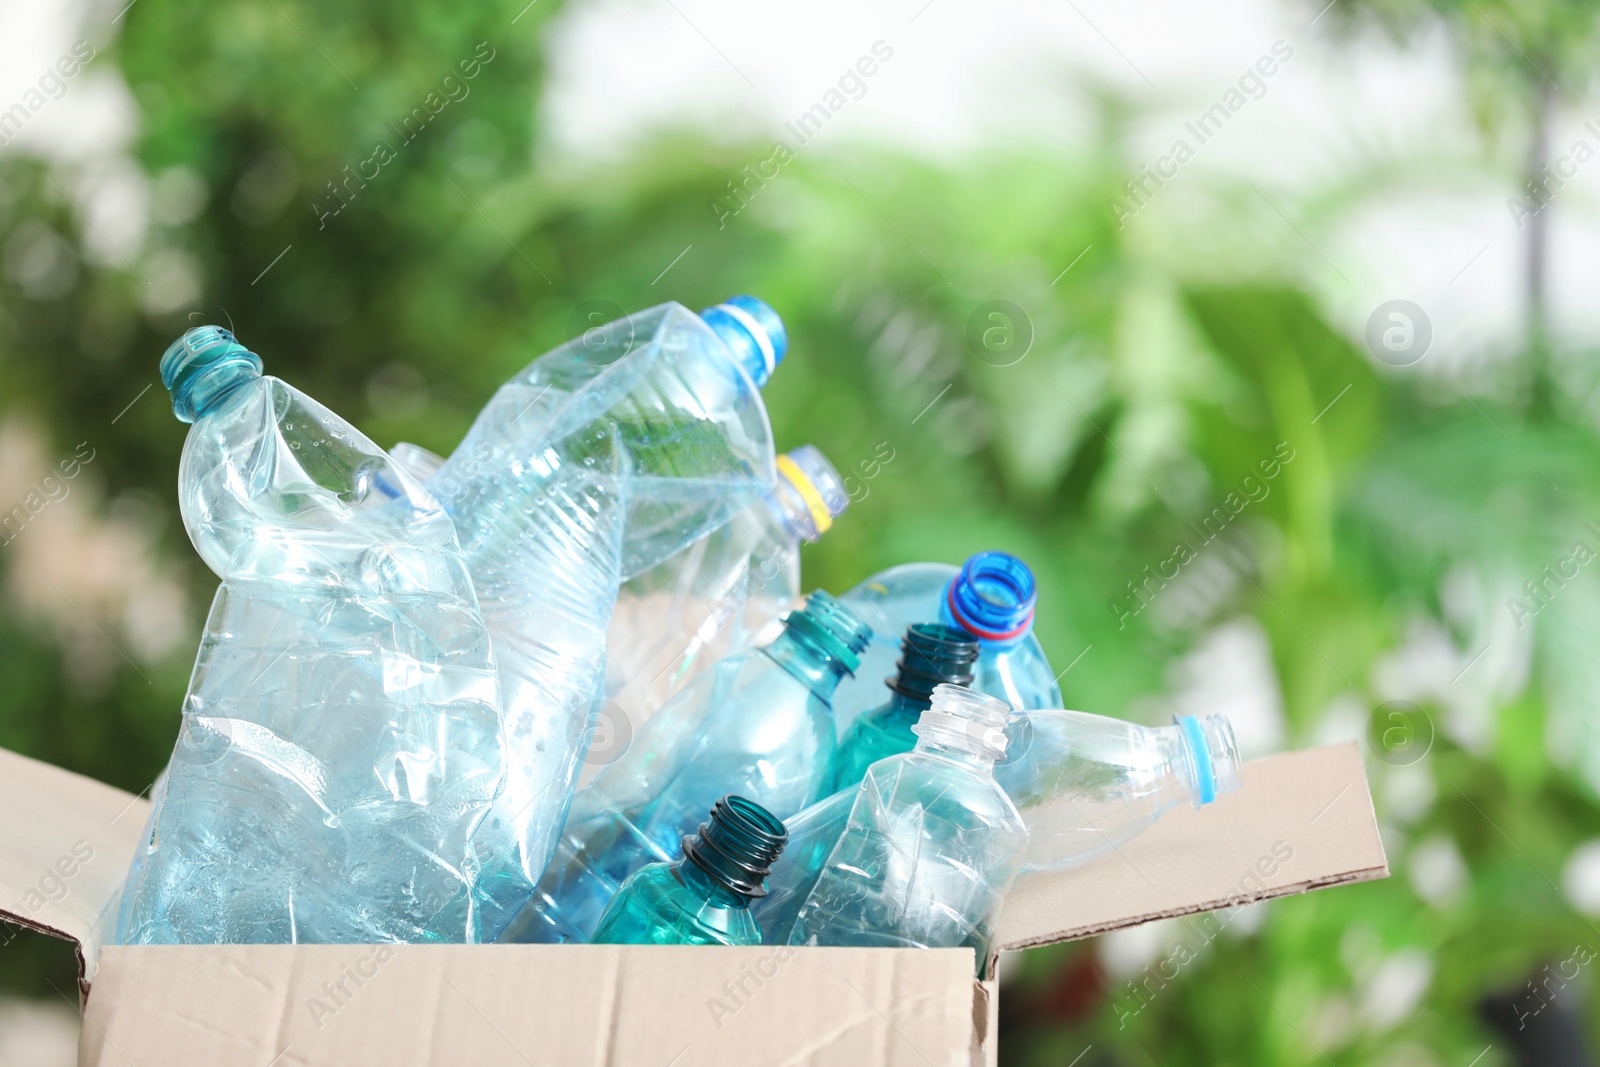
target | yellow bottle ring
[{"x": 820, "y": 515}]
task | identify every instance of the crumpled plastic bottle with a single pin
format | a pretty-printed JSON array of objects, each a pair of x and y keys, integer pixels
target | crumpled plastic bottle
[
  {"x": 931, "y": 843},
  {"x": 601, "y": 459},
  {"x": 991, "y": 596},
  {"x": 757, "y": 724},
  {"x": 721, "y": 594},
  {"x": 1084, "y": 784},
  {"x": 341, "y": 737},
  {"x": 704, "y": 898}
]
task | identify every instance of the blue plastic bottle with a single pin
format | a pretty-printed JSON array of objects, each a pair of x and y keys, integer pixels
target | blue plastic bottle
[
  {"x": 758, "y": 724},
  {"x": 341, "y": 738},
  {"x": 991, "y": 597},
  {"x": 603, "y": 458},
  {"x": 930, "y": 656},
  {"x": 704, "y": 898},
  {"x": 931, "y": 843}
]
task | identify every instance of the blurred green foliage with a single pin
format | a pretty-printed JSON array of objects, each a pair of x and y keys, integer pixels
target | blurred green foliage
[{"x": 1092, "y": 423}]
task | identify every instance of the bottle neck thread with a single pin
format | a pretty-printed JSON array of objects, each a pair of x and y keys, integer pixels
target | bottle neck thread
[
  {"x": 821, "y": 643},
  {"x": 753, "y": 333},
  {"x": 1208, "y": 756},
  {"x": 932, "y": 655},
  {"x": 992, "y": 598},
  {"x": 202, "y": 367},
  {"x": 965, "y": 724},
  {"x": 809, "y": 494},
  {"x": 736, "y": 847}
]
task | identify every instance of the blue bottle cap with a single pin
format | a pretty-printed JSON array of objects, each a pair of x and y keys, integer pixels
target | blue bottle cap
[{"x": 753, "y": 331}]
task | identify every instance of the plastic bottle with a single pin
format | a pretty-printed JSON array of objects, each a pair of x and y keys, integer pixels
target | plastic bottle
[
  {"x": 603, "y": 458},
  {"x": 725, "y": 592},
  {"x": 931, "y": 844},
  {"x": 340, "y": 738},
  {"x": 991, "y": 597},
  {"x": 757, "y": 724},
  {"x": 1084, "y": 784},
  {"x": 722, "y": 593},
  {"x": 931, "y": 655},
  {"x": 1087, "y": 784},
  {"x": 703, "y": 898}
]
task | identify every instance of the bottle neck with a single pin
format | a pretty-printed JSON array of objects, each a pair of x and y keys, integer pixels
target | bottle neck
[
  {"x": 992, "y": 598},
  {"x": 808, "y": 662},
  {"x": 965, "y": 726},
  {"x": 707, "y": 888}
]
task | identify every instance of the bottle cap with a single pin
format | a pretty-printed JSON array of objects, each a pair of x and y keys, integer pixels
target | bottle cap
[{"x": 753, "y": 331}]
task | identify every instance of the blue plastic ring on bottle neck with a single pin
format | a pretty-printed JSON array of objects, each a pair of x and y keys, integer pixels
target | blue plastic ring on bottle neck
[{"x": 1202, "y": 757}]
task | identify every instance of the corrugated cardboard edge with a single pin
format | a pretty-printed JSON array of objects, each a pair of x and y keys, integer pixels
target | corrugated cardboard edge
[
  {"x": 67, "y": 844},
  {"x": 1301, "y": 821}
]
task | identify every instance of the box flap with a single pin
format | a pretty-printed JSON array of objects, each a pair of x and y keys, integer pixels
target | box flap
[
  {"x": 66, "y": 846},
  {"x": 1302, "y": 820},
  {"x": 516, "y": 1005}
]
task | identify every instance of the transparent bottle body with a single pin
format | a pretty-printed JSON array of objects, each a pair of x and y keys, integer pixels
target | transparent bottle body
[
  {"x": 757, "y": 724},
  {"x": 675, "y": 904},
  {"x": 603, "y": 458},
  {"x": 724, "y": 593},
  {"x": 340, "y": 739},
  {"x": 929, "y": 849},
  {"x": 1017, "y": 672},
  {"x": 1088, "y": 784}
]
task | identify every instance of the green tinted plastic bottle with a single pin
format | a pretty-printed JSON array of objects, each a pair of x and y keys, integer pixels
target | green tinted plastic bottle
[
  {"x": 703, "y": 898},
  {"x": 930, "y": 655}
]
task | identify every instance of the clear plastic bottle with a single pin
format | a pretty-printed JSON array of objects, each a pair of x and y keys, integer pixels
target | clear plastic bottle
[
  {"x": 991, "y": 597},
  {"x": 931, "y": 844},
  {"x": 1084, "y": 784},
  {"x": 703, "y": 898},
  {"x": 723, "y": 593},
  {"x": 758, "y": 724},
  {"x": 931, "y": 655},
  {"x": 341, "y": 737},
  {"x": 1088, "y": 784},
  {"x": 601, "y": 459}
]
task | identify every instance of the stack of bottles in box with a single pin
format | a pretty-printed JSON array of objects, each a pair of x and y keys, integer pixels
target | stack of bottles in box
[{"x": 414, "y": 666}]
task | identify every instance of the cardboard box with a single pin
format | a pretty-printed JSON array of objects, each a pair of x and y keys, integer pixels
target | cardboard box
[{"x": 1302, "y": 821}]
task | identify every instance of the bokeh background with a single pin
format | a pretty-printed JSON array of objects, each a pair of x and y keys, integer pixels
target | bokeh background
[{"x": 1079, "y": 269}]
